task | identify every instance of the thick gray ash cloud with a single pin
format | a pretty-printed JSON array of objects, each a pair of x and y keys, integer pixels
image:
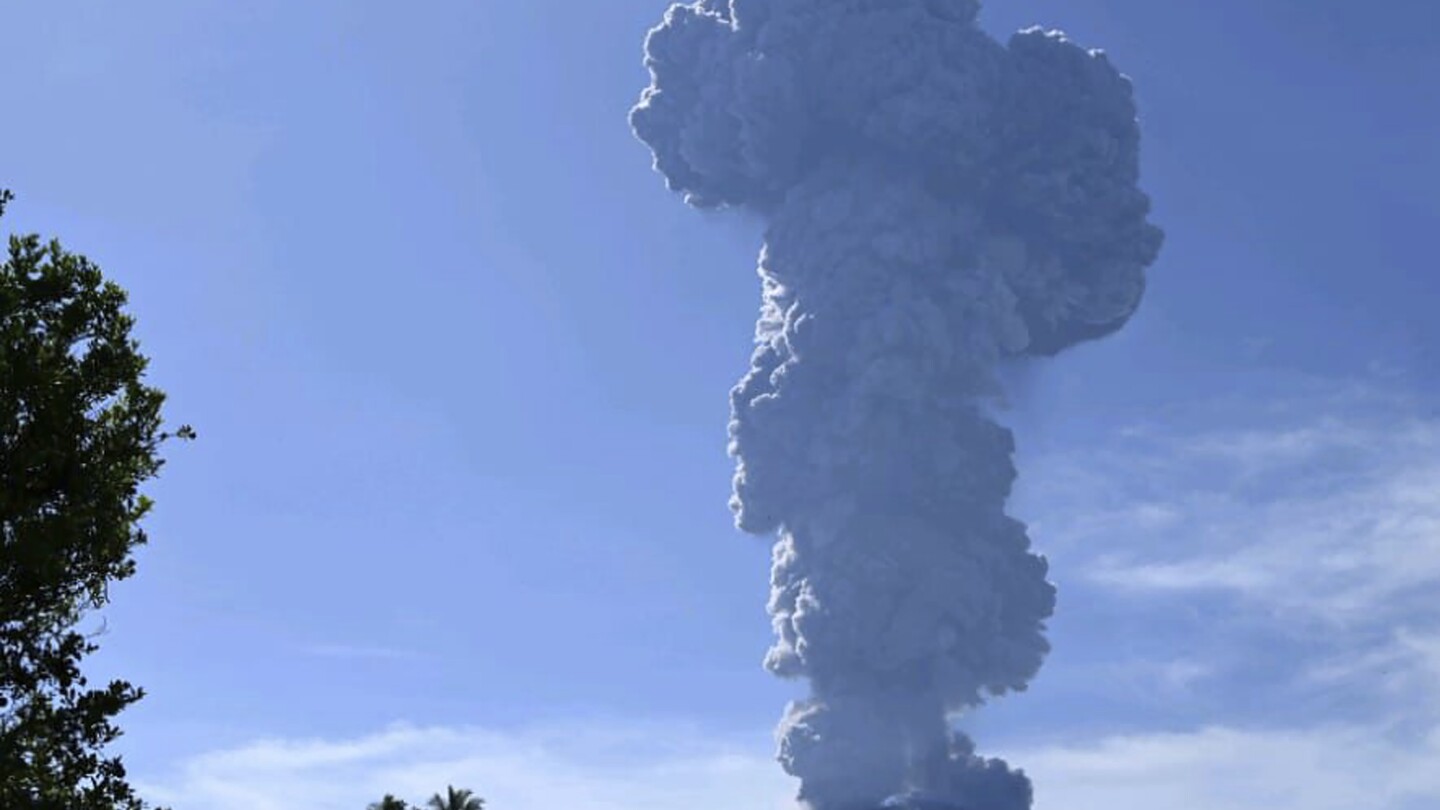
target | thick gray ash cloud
[{"x": 936, "y": 204}]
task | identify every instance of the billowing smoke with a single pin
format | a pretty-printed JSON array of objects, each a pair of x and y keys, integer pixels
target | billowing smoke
[{"x": 936, "y": 204}]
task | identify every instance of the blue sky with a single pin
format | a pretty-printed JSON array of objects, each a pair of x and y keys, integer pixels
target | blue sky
[{"x": 459, "y": 365}]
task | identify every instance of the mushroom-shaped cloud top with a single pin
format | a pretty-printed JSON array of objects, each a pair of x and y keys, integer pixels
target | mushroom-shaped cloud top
[{"x": 751, "y": 98}]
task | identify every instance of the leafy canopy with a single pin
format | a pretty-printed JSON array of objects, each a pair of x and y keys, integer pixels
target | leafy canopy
[
  {"x": 456, "y": 799},
  {"x": 79, "y": 433}
]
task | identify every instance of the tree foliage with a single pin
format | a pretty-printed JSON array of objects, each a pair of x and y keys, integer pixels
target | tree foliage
[
  {"x": 456, "y": 799},
  {"x": 453, "y": 799},
  {"x": 79, "y": 433}
]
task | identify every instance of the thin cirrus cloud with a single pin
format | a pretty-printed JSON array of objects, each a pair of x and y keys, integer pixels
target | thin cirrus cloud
[
  {"x": 1329, "y": 515},
  {"x": 1301, "y": 538},
  {"x": 1304, "y": 534}
]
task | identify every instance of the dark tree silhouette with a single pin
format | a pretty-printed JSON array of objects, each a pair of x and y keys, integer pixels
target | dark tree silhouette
[
  {"x": 456, "y": 799},
  {"x": 79, "y": 433}
]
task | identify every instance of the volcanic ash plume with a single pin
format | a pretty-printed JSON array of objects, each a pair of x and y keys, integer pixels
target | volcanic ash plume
[{"x": 937, "y": 203}]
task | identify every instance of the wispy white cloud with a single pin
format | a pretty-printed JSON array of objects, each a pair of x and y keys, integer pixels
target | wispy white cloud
[
  {"x": 1328, "y": 511},
  {"x": 1404, "y": 668},
  {"x": 1300, "y": 536},
  {"x": 665, "y": 768},
  {"x": 1175, "y": 676},
  {"x": 1324, "y": 768},
  {"x": 634, "y": 767}
]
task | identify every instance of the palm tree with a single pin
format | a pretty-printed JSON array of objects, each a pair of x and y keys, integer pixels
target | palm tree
[
  {"x": 457, "y": 799},
  {"x": 389, "y": 803}
]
